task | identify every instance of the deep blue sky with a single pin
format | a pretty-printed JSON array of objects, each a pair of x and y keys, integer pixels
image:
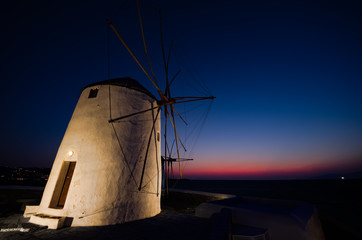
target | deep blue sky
[{"x": 287, "y": 76}]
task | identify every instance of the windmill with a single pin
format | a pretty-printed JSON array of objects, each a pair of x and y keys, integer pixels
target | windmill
[
  {"x": 167, "y": 101},
  {"x": 107, "y": 168}
]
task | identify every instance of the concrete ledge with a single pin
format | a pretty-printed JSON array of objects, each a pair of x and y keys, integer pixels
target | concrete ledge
[
  {"x": 221, "y": 225},
  {"x": 53, "y": 222},
  {"x": 282, "y": 219},
  {"x": 30, "y": 210},
  {"x": 218, "y": 195},
  {"x": 243, "y": 232}
]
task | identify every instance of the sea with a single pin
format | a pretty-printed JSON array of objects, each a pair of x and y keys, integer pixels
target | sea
[{"x": 308, "y": 190}]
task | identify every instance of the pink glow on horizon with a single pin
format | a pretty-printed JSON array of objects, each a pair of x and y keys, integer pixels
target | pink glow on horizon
[{"x": 266, "y": 169}]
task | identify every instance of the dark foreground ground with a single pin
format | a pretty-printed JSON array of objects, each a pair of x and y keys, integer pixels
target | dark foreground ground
[
  {"x": 339, "y": 204},
  {"x": 176, "y": 221},
  {"x": 163, "y": 226}
]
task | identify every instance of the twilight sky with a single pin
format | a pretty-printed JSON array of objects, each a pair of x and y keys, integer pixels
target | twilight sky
[{"x": 287, "y": 76}]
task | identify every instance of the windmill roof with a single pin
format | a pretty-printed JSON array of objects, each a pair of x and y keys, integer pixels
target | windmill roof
[{"x": 127, "y": 82}]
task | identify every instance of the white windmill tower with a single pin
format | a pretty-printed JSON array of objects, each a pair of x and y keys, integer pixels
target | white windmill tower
[
  {"x": 95, "y": 178},
  {"x": 108, "y": 166}
]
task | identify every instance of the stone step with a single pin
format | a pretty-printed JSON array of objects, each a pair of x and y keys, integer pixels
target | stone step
[
  {"x": 30, "y": 210},
  {"x": 53, "y": 222}
]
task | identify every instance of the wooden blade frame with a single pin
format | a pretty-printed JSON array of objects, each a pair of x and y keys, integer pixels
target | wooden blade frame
[
  {"x": 135, "y": 58},
  {"x": 148, "y": 147},
  {"x": 130, "y": 115},
  {"x": 165, "y": 97}
]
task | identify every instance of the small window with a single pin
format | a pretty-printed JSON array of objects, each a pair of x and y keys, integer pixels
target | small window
[
  {"x": 158, "y": 136},
  {"x": 93, "y": 93}
]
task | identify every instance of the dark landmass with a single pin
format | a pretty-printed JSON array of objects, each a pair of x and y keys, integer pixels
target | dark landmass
[{"x": 24, "y": 176}]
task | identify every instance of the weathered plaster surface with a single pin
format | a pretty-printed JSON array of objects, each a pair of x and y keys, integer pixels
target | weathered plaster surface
[{"x": 109, "y": 160}]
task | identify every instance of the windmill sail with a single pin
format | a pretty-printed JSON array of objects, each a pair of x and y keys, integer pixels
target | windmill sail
[{"x": 166, "y": 101}]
